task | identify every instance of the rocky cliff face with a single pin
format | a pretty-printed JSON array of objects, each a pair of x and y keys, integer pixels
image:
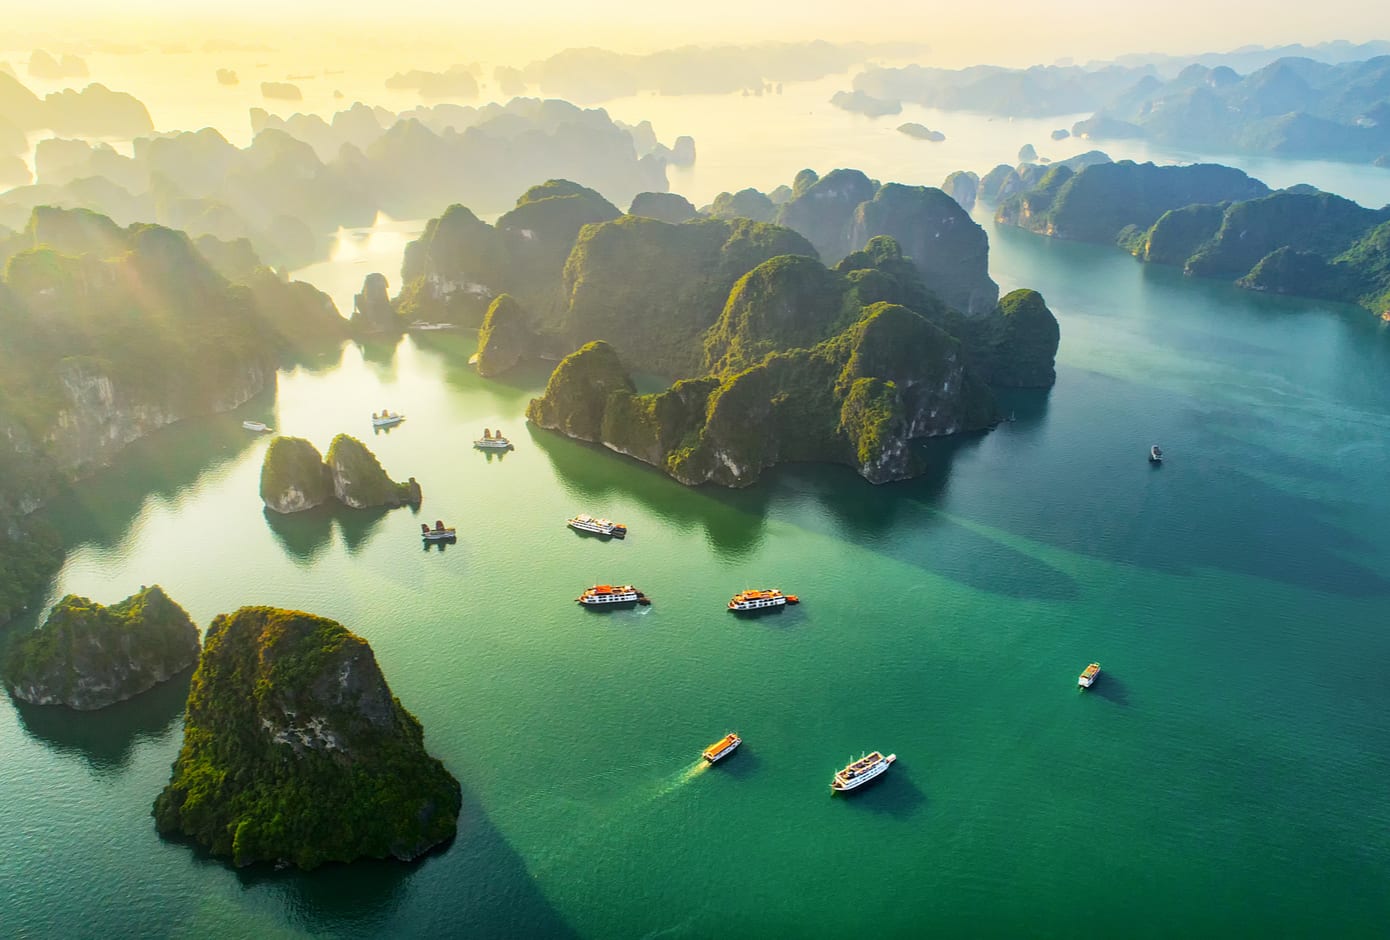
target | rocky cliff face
[
  {"x": 505, "y": 338},
  {"x": 372, "y": 311},
  {"x": 949, "y": 249},
  {"x": 296, "y": 751},
  {"x": 293, "y": 476},
  {"x": 100, "y": 414},
  {"x": 359, "y": 482},
  {"x": 87, "y": 656}
]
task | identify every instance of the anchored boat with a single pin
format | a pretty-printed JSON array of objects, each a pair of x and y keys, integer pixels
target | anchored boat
[
  {"x": 490, "y": 441},
  {"x": 1155, "y": 454},
  {"x": 387, "y": 419},
  {"x": 722, "y": 748},
  {"x": 607, "y": 595},
  {"x": 1088, "y": 675},
  {"x": 603, "y": 527},
  {"x": 860, "y": 772},
  {"x": 439, "y": 533},
  {"x": 761, "y": 600},
  {"x": 257, "y": 426}
]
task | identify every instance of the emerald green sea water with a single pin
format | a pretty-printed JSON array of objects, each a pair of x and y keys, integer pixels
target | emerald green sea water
[{"x": 1227, "y": 773}]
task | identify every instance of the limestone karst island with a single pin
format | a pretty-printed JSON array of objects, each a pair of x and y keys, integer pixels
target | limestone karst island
[{"x": 526, "y": 472}]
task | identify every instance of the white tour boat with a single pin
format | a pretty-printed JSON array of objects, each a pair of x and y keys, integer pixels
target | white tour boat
[
  {"x": 598, "y": 526},
  {"x": 257, "y": 426},
  {"x": 860, "y": 772},
  {"x": 490, "y": 441},
  {"x": 761, "y": 600},
  {"x": 439, "y": 533},
  {"x": 608, "y": 595},
  {"x": 386, "y": 419},
  {"x": 1088, "y": 676}
]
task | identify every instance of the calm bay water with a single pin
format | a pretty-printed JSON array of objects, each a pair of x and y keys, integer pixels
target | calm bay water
[{"x": 1227, "y": 772}]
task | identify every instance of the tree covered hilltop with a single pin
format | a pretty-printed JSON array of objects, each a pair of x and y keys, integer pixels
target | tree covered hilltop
[
  {"x": 1210, "y": 220},
  {"x": 807, "y": 334},
  {"x": 296, "y": 751}
]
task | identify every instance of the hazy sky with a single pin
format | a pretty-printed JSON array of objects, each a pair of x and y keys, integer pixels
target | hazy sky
[{"x": 1004, "y": 31}]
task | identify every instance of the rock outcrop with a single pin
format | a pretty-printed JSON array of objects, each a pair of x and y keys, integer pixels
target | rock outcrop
[
  {"x": 372, "y": 311},
  {"x": 664, "y": 207},
  {"x": 505, "y": 338},
  {"x": 963, "y": 186},
  {"x": 293, "y": 476},
  {"x": 87, "y": 656},
  {"x": 295, "y": 751},
  {"x": 359, "y": 482},
  {"x": 921, "y": 132}
]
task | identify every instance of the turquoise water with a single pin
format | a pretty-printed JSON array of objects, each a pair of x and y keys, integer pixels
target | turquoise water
[{"x": 1226, "y": 773}]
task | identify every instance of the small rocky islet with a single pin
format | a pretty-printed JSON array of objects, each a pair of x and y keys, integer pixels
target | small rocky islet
[
  {"x": 295, "y": 477},
  {"x": 295, "y": 751},
  {"x": 87, "y": 655}
]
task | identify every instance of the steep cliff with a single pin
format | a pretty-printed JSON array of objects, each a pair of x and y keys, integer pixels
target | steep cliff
[
  {"x": 577, "y": 394},
  {"x": 295, "y": 750},
  {"x": 293, "y": 476},
  {"x": 950, "y": 250},
  {"x": 505, "y": 338},
  {"x": 88, "y": 656},
  {"x": 372, "y": 311},
  {"x": 359, "y": 482}
]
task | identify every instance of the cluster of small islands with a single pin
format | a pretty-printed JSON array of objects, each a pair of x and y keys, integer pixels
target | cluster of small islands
[{"x": 835, "y": 319}]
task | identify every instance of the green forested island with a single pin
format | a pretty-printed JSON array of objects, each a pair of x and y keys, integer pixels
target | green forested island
[
  {"x": 88, "y": 656},
  {"x": 111, "y": 333},
  {"x": 295, "y": 477},
  {"x": 778, "y": 357},
  {"x": 1215, "y": 221},
  {"x": 295, "y": 750}
]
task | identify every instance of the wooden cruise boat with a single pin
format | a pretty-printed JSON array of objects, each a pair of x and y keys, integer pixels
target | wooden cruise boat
[
  {"x": 1088, "y": 675},
  {"x": 387, "y": 419},
  {"x": 490, "y": 441},
  {"x": 722, "y": 748},
  {"x": 608, "y": 595},
  {"x": 859, "y": 772},
  {"x": 768, "y": 599},
  {"x": 439, "y": 533},
  {"x": 595, "y": 526}
]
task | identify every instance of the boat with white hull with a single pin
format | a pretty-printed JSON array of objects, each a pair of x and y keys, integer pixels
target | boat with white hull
[
  {"x": 490, "y": 441},
  {"x": 594, "y": 526},
  {"x": 608, "y": 595},
  {"x": 1088, "y": 676},
  {"x": 722, "y": 748},
  {"x": 439, "y": 533},
  {"x": 767, "y": 599},
  {"x": 386, "y": 419},
  {"x": 860, "y": 772},
  {"x": 258, "y": 426}
]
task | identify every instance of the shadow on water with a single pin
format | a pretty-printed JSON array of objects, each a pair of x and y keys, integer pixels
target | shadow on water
[
  {"x": 158, "y": 467},
  {"x": 379, "y": 353},
  {"x": 1111, "y": 688},
  {"x": 742, "y": 764},
  {"x": 894, "y": 794},
  {"x": 304, "y": 535},
  {"x": 106, "y": 738},
  {"x": 478, "y": 886},
  {"x": 733, "y": 520}
]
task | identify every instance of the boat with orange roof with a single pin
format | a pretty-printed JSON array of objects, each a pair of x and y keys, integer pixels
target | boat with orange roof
[
  {"x": 608, "y": 595},
  {"x": 765, "y": 599},
  {"x": 722, "y": 748},
  {"x": 1088, "y": 675}
]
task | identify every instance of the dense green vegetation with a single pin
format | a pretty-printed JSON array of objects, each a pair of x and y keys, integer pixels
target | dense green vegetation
[
  {"x": 109, "y": 333},
  {"x": 460, "y": 263},
  {"x": 1217, "y": 222},
  {"x": 359, "y": 480},
  {"x": 1098, "y": 202},
  {"x": 505, "y": 338},
  {"x": 293, "y": 476},
  {"x": 295, "y": 750},
  {"x": 87, "y": 655},
  {"x": 811, "y": 364}
]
